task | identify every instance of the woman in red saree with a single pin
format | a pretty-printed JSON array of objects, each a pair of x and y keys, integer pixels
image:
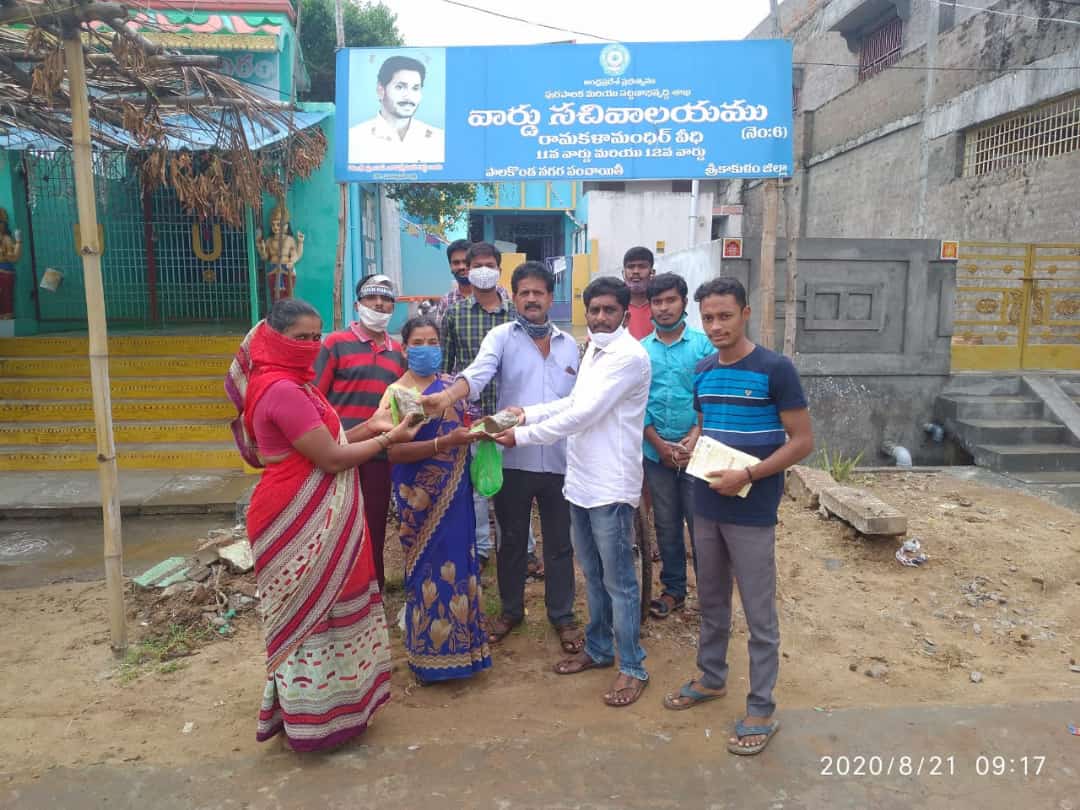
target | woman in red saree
[{"x": 327, "y": 651}]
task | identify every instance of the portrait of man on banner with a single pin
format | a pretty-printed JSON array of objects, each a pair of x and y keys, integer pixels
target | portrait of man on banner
[{"x": 401, "y": 120}]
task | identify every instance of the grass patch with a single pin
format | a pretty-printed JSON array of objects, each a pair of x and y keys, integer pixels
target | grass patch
[
  {"x": 839, "y": 466},
  {"x": 492, "y": 605},
  {"x": 163, "y": 651}
]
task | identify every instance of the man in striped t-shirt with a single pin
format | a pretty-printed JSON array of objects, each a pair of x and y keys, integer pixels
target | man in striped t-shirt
[
  {"x": 354, "y": 369},
  {"x": 750, "y": 399}
]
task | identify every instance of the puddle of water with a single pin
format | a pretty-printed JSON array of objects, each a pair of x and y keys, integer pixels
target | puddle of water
[
  {"x": 36, "y": 552},
  {"x": 25, "y": 548}
]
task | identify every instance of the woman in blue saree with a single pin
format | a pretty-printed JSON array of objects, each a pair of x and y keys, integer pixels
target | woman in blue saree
[{"x": 444, "y": 635}]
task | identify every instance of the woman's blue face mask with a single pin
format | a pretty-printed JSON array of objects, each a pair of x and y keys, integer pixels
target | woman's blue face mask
[{"x": 425, "y": 360}]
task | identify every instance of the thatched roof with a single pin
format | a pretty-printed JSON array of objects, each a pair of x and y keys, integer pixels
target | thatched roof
[{"x": 137, "y": 90}]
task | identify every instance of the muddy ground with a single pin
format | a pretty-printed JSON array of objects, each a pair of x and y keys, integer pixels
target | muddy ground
[{"x": 1000, "y": 596}]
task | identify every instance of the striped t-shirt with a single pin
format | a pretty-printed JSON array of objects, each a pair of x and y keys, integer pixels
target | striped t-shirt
[
  {"x": 740, "y": 406},
  {"x": 354, "y": 372}
]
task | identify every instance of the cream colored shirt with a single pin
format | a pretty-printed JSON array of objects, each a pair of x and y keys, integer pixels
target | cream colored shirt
[{"x": 376, "y": 141}]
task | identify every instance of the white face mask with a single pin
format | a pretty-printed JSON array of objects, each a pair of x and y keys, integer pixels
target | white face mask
[
  {"x": 605, "y": 339},
  {"x": 375, "y": 321},
  {"x": 484, "y": 278}
]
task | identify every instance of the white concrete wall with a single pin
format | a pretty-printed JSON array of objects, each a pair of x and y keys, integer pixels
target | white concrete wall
[
  {"x": 697, "y": 265},
  {"x": 391, "y": 238},
  {"x": 619, "y": 220}
]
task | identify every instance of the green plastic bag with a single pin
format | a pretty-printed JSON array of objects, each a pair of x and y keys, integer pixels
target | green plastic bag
[{"x": 486, "y": 471}]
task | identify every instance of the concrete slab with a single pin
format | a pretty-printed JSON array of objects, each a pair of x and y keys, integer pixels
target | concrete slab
[
  {"x": 867, "y": 513},
  {"x": 76, "y": 493},
  {"x": 209, "y": 488},
  {"x": 930, "y": 757},
  {"x": 805, "y": 485}
]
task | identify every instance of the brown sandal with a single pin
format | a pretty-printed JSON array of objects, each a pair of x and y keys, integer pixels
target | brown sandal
[
  {"x": 579, "y": 663},
  {"x": 571, "y": 638},
  {"x": 618, "y": 698},
  {"x": 500, "y": 628}
]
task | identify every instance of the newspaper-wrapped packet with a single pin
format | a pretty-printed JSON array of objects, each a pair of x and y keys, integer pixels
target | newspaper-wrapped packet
[
  {"x": 711, "y": 456},
  {"x": 496, "y": 423},
  {"x": 405, "y": 405}
]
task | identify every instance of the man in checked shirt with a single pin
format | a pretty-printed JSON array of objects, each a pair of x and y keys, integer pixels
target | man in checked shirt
[{"x": 464, "y": 327}]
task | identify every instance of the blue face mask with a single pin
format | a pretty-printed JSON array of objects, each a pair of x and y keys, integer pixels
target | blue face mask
[{"x": 425, "y": 360}]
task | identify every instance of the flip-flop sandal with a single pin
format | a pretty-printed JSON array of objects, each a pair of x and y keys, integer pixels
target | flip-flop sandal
[
  {"x": 742, "y": 730},
  {"x": 571, "y": 638},
  {"x": 694, "y": 696},
  {"x": 583, "y": 663},
  {"x": 639, "y": 687}
]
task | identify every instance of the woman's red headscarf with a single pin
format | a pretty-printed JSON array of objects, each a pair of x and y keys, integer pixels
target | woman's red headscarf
[{"x": 264, "y": 358}]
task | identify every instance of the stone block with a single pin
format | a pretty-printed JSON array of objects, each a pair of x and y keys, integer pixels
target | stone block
[
  {"x": 804, "y": 485},
  {"x": 867, "y": 513}
]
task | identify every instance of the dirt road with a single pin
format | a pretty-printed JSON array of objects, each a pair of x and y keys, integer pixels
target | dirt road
[{"x": 999, "y": 596}]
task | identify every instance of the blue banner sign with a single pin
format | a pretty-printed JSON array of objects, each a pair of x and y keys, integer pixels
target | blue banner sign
[{"x": 671, "y": 110}]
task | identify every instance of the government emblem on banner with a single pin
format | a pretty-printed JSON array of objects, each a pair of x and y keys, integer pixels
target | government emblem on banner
[{"x": 614, "y": 59}]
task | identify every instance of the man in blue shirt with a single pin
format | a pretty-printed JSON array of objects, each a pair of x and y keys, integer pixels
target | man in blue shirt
[
  {"x": 671, "y": 428},
  {"x": 532, "y": 362},
  {"x": 750, "y": 399}
]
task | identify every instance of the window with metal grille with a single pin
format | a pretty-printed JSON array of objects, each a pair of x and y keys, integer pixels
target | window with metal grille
[
  {"x": 796, "y": 98},
  {"x": 1046, "y": 130},
  {"x": 881, "y": 48}
]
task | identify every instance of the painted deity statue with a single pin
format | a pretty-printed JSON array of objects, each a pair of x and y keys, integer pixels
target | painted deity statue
[
  {"x": 281, "y": 252},
  {"x": 10, "y": 252}
]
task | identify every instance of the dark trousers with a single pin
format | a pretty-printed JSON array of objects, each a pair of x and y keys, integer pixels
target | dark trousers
[
  {"x": 375, "y": 485},
  {"x": 513, "y": 509},
  {"x": 673, "y": 504}
]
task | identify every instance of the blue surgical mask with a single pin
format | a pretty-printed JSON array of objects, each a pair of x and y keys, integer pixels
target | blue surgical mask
[{"x": 425, "y": 360}]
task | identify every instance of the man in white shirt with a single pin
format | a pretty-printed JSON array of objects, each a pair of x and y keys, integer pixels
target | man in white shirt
[
  {"x": 602, "y": 421},
  {"x": 394, "y": 134}
]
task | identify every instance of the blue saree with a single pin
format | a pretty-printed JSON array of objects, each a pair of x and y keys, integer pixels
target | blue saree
[{"x": 444, "y": 637}]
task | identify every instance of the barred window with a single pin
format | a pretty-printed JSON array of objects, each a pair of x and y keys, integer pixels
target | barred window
[
  {"x": 881, "y": 48},
  {"x": 1046, "y": 130}
]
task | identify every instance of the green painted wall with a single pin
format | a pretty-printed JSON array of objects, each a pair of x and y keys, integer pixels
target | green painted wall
[
  {"x": 13, "y": 200},
  {"x": 313, "y": 205}
]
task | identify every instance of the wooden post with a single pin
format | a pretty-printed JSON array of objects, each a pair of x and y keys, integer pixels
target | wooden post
[
  {"x": 771, "y": 188},
  {"x": 90, "y": 249},
  {"x": 343, "y": 201},
  {"x": 791, "y": 297},
  {"x": 767, "y": 270}
]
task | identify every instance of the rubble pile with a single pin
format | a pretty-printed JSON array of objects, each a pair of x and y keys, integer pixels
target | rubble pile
[{"x": 211, "y": 589}]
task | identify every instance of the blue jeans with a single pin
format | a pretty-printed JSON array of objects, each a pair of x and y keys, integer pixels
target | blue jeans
[
  {"x": 603, "y": 547},
  {"x": 673, "y": 503}
]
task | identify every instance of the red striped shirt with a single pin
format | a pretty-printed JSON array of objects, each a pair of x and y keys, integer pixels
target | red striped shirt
[{"x": 354, "y": 373}]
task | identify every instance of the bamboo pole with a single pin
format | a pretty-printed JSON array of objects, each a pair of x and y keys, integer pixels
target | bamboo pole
[{"x": 90, "y": 249}]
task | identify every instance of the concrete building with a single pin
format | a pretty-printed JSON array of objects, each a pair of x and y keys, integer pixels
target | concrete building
[
  {"x": 653, "y": 213},
  {"x": 973, "y": 134},
  {"x": 920, "y": 119}
]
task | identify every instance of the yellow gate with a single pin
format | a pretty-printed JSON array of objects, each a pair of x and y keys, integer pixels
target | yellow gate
[{"x": 1017, "y": 307}]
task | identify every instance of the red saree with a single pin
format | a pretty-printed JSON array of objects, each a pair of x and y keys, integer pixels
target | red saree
[{"x": 327, "y": 651}]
